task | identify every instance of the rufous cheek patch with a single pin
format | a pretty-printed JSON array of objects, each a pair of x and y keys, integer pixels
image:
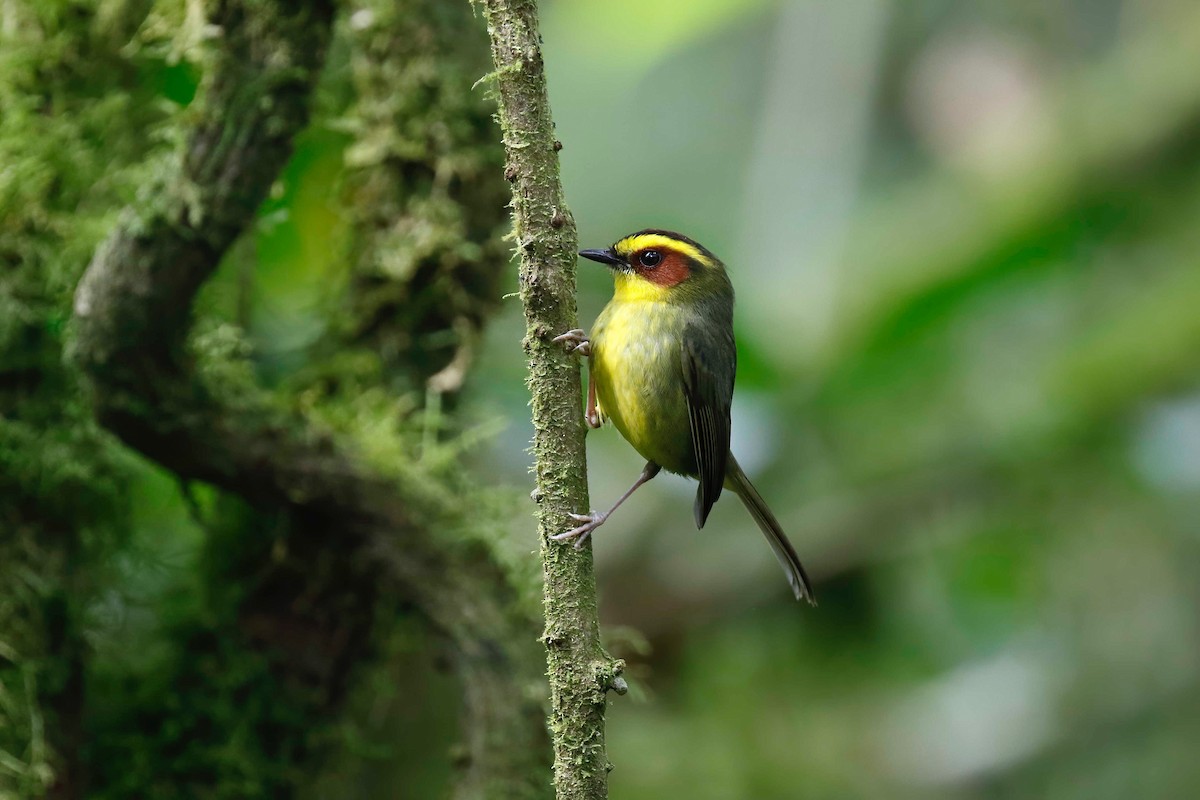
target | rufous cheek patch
[{"x": 671, "y": 271}]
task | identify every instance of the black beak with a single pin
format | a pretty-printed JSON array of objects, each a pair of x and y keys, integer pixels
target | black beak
[{"x": 603, "y": 256}]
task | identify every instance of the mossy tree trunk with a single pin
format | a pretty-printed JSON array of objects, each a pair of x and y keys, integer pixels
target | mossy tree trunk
[
  {"x": 309, "y": 537},
  {"x": 581, "y": 673}
]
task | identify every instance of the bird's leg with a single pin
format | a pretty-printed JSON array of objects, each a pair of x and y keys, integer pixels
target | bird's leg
[
  {"x": 577, "y": 339},
  {"x": 597, "y": 518},
  {"x": 592, "y": 415}
]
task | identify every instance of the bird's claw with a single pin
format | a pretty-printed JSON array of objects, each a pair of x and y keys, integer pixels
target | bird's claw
[
  {"x": 590, "y": 521},
  {"x": 574, "y": 335},
  {"x": 578, "y": 339}
]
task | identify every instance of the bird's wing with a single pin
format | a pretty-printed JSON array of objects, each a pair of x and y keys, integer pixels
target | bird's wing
[{"x": 709, "y": 365}]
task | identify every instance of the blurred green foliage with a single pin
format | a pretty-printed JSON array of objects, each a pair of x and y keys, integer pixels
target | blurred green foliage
[{"x": 964, "y": 241}]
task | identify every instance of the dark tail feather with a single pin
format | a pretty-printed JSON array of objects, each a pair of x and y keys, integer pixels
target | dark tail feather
[{"x": 767, "y": 523}]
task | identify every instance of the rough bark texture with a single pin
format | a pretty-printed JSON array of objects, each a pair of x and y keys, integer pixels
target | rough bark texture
[
  {"x": 354, "y": 531},
  {"x": 581, "y": 673}
]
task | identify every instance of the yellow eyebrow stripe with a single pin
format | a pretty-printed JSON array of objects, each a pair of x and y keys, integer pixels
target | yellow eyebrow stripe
[{"x": 644, "y": 241}]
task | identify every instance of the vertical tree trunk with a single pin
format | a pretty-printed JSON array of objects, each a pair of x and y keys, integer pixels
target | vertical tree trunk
[{"x": 580, "y": 671}]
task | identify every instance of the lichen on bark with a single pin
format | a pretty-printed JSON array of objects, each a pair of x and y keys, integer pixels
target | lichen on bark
[{"x": 581, "y": 673}]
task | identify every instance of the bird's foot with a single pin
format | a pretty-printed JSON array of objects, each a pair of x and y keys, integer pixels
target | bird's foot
[
  {"x": 577, "y": 340},
  {"x": 580, "y": 534}
]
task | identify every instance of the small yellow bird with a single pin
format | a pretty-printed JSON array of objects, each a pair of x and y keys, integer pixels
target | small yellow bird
[{"x": 662, "y": 365}]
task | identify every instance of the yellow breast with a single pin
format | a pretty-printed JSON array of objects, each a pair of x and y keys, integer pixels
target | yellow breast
[{"x": 635, "y": 364}]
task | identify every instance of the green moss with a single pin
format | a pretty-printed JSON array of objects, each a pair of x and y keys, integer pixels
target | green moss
[
  {"x": 425, "y": 185},
  {"x": 244, "y": 651},
  {"x": 204, "y": 713},
  {"x": 580, "y": 672},
  {"x": 73, "y": 124}
]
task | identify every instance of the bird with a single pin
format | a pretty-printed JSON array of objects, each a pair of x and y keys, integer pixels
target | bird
[{"x": 662, "y": 361}]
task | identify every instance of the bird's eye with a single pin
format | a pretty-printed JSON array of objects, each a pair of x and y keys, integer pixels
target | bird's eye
[{"x": 650, "y": 258}]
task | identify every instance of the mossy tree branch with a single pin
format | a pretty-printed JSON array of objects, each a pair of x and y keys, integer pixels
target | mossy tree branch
[
  {"x": 580, "y": 671},
  {"x": 383, "y": 533}
]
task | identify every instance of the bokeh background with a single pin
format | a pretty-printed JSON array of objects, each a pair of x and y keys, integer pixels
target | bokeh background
[
  {"x": 965, "y": 238},
  {"x": 965, "y": 244}
]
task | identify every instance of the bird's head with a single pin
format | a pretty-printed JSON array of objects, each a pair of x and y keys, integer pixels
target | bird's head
[{"x": 657, "y": 265}]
